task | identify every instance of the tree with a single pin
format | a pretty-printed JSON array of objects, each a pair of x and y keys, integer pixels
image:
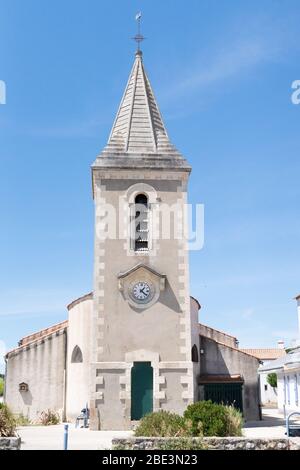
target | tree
[{"x": 272, "y": 379}]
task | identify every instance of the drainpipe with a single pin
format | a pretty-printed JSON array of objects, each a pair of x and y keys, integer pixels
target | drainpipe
[{"x": 65, "y": 376}]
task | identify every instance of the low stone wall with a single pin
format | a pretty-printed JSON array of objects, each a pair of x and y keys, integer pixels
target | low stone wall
[
  {"x": 10, "y": 443},
  {"x": 209, "y": 443}
]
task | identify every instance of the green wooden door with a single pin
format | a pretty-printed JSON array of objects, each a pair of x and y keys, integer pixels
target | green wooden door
[
  {"x": 225, "y": 393},
  {"x": 141, "y": 390}
]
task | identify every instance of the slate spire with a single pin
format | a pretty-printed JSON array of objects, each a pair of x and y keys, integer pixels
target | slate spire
[
  {"x": 138, "y": 126},
  {"x": 138, "y": 129}
]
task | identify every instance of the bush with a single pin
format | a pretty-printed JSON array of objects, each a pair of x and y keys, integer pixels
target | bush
[
  {"x": 272, "y": 379},
  {"x": 162, "y": 424},
  {"x": 1, "y": 386},
  {"x": 7, "y": 422},
  {"x": 49, "y": 418},
  {"x": 212, "y": 419}
]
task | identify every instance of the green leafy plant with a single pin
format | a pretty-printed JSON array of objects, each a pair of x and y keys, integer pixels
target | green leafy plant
[
  {"x": 162, "y": 424},
  {"x": 49, "y": 418},
  {"x": 1, "y": 386},
  {"x": 272, "y": 379},
  {"x": 207, "y": 418},
  {"x": 212, "y": 419},
  {"x": 7, "y": 422}
]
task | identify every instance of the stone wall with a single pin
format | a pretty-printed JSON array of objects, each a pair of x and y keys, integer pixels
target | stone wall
[
  {"x": 10, "y": 443},
  {"x": 41, "y": 366},
  {"x": 122, "y": 333},
  {"x": 217, "y": 335},
  {"x": 209, "y": 443},
  {"x": 219, "y": 359}
]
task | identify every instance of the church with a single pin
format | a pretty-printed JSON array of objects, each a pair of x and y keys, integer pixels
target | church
[{"x": 134, "y": 344}]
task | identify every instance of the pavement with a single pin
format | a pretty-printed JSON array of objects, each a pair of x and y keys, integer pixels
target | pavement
[
  {"x": 271, "y": 425},
  {"x": 52, "y": 437}
]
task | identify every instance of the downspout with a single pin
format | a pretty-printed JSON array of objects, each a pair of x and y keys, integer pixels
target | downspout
[{"x": 65, "y": 376}]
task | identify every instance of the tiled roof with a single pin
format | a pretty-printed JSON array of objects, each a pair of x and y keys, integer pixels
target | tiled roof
[
  {"x": 80, "y": 299},
  {"x": 218, "y": 331},
  {"x": 45, "y": 332},
  {"x": 42, "y": 334},
  {"x": 273, "y": 353},
  {"x": 204, "y": 379},
  {"x": 285, "y": 363}
]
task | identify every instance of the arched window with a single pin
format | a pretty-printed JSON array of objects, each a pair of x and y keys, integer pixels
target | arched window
[
  {"x": 141, "y": 214},
  {"x": 76, "y": 355},
  {"x": 195, "y": 355}
]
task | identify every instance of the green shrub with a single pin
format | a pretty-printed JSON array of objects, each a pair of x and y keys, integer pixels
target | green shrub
[
  {"x": 272, "y": 379},
  {"x": 7, "y": 422},
  {"x": 1, "y": 386},
  {"x": 49, "y": 418},
  {"x": 212, "y": 419},
  {"x": 207, "y": 418},
  {"x": 162, "y": 424}
]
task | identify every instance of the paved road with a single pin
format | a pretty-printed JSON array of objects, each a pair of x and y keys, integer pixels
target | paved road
[
  {"x": 52, "y": 437},
  {"x": 272, "y": 425}
]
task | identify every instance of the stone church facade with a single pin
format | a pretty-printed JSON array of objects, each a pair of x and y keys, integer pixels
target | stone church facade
[{"x": 134, "y": 345}]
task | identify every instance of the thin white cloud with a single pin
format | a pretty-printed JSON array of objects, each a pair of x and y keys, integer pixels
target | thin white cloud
[
  {"x": 230, "y": 61},
  {"x": 34, "y": 303}
]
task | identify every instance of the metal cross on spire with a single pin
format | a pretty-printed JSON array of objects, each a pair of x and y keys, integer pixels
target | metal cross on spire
[{"x": 139, "y": 37}]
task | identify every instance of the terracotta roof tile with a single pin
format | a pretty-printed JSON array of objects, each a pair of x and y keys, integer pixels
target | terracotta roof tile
[
  {"x": 272, "y": 353},
  {"x": 220, "y": 379}
]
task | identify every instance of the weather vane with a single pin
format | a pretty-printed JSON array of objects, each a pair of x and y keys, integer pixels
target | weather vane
[{"x": 139, "y": 37}]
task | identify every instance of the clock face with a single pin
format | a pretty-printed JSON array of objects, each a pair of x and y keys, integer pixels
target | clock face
[{"x": 141, "y": 291}]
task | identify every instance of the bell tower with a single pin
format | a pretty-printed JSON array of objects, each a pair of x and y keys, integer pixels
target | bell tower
[{"x": 141, "y": 344}]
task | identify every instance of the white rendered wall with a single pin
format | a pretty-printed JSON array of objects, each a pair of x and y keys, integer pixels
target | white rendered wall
[
  {"x": 298, "y": 308},
  {"x": 268, "y": 394},
  {"x": 78, "y": 375},
  {"x": 289, "y": 391}
]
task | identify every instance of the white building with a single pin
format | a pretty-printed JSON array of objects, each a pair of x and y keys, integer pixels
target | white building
[
  {"x": 268, "y": 394},
  {"x": 287, "y": 369}
]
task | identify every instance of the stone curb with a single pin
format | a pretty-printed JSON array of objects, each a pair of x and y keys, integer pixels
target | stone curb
[
  {"x": 10, "y": 443},
  {"x": 212, "y": 443}
]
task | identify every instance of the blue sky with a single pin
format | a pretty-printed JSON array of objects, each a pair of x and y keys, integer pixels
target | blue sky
[{"x": 222, "y": 74}]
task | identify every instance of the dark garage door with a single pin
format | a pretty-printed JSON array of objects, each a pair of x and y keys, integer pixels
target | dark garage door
[{"x": 225, "y": 393}]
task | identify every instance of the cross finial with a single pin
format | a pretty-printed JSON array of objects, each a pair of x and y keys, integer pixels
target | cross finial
[{"x": 139, "y": 37}]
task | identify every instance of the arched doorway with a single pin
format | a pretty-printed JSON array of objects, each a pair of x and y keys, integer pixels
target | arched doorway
[{"x": 141, "y": 390}]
